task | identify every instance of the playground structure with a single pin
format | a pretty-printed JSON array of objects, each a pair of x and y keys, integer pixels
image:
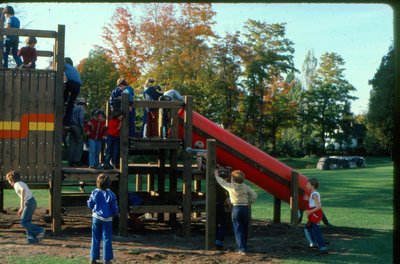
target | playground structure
[{"x": 31, "y": 114}]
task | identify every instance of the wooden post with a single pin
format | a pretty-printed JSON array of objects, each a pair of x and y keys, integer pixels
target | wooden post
[
  {"x": 277, "y": 210},
  {"x": 161, "y": 179},
  {"x": 1, "y": 37},
  {"x": 1, "y": 197},
  {"x": 187, "y": 165},
  {"x": 123, "y": 179},
  {"x": 211, "y": 194},
  {"x": 59, "y": 109},
  {"x": 294, "y": 199},
  {"x": 139, "y": 182}
]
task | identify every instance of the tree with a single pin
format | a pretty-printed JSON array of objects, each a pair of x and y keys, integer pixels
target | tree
[
  {"x": 267, "y": 56},
  {"x": 99, "y": 76},
  {"x": 329, "y": 97},
  {"x": 225, "y": 92},
  {"x": 279, "y": 110},
  {"x": 380, "y": 121},
  {"x": 123, "y": 45}
]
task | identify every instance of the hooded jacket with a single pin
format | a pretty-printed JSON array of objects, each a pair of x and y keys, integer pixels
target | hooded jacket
[{"x": 103, "y": 204}]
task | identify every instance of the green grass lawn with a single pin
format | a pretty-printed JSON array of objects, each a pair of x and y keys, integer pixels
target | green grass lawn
[{"x": 352, "y": 198}]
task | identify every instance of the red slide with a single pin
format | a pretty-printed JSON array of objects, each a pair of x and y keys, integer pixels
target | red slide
[{"x": 260, "y": 168}]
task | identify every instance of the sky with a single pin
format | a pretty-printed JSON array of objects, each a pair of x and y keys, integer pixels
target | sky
[{"x": 360, "y": 33}]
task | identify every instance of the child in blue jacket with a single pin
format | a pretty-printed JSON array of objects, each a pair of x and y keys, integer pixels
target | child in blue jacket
[{"x": 104, "y": 206}]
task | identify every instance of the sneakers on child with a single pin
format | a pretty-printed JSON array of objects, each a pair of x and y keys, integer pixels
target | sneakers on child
[{"x": 40, "y": 236}]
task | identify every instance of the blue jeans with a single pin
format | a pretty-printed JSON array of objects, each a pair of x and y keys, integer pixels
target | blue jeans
[
  {"x": 94, "y": 151},
  {"x": 240, "y": 221},
  {"x": 315, "y": 235},
  {"x": 101, "y": 230},
  {"x": 112, "y": 151},
  {"x": 32, "y": 230},
  {"x": 13, "y": 47}
]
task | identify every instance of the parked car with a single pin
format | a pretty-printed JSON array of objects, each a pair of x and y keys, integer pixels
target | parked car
[{"x": 340, "y": 162}]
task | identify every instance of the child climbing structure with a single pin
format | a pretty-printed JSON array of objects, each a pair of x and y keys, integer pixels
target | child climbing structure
[{"x": 31, "y": 112}]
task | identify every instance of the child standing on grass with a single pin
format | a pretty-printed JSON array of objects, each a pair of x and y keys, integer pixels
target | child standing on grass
[
  {"x": 27, "y": 207},
  {"x": 241, "y": 197},
  {"x": 104, "y": 206},
  {"x": 314, "y": 215}
]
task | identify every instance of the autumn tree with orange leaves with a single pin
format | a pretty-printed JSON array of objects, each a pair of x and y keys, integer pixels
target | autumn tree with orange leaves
[{"x": 123, "y": 45}]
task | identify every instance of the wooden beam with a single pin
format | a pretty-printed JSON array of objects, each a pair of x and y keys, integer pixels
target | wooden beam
[
  {"x": 294, "y": 199},
  {"x": 211, "y": 195},
  {"x": 187, "y": 165},
  {"x": 123, "y": 181},
  {"x": 59, "y": 109},
  {"x": 45, "y": 53},
  {"x": 277, "y": 210},
  {"x": 29, "y": 33},
  {"x": 154, "y": 209},
  {"x": 158, "y": 104}
]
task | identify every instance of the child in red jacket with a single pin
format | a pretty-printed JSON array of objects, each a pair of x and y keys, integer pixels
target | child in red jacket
[{"x": 95, "y": 129}]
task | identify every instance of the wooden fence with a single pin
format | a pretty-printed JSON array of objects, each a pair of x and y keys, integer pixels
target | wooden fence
[{"x": 27, "y": 123}]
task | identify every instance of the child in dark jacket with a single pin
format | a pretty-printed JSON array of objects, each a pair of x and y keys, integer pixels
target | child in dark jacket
[
  {"x": 95, "y": 129},
  {"x": 103, "y": 203}
]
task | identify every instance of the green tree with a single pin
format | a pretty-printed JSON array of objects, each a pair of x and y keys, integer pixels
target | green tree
[
  {"x": 225, "y": 94},
  {"x": 380, "y": 121},
  {"x": 329, "y": 97},
  {"x": 267, "y": 55},
  {"x": 99, "y": 76}
]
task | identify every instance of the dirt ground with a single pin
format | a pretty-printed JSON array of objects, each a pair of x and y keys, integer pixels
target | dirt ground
[{"x": 156, "y": 243}]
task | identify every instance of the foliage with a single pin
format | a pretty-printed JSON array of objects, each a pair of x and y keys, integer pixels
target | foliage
[
  {"x": 99, "y": 77},
  {"x": 123, "y": 45},
  {"x": 267, "y": 56},
  {"x": 380, "y": 115},
  {"x": 328, "y": 98}
]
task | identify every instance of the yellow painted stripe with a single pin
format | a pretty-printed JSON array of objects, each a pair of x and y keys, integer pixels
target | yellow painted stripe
[
  {"x": 32, "y": 125},
  {"x": 49, "y": 126},
  {"x": 40, "y": 126},
  {"x": 9, "y": 125}
]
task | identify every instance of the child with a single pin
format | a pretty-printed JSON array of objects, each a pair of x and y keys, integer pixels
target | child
[
  {"x": 95, "y": 130},
  {"x": 151, "y": 93},
  {"x": 28, "y": 53},
  {"x": 113, "y": 141},
  {"x": 11, "y": 42},
  {"x": 104, "y": 206},
  {"x": 241, "y": 196},
  {"x": 27, "y": 207},
  {"x": 72, "y": 88},
  {"x": 201, "y": 157},
  {"x": 314, "y": 215}
]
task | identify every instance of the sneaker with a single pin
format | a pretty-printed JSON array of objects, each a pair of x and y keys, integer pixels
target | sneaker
[
  {"x": 93, "y": 262},
  {"x": 243, "y": 253},
  {"x": 91, "y": 167},
  {"x": 313, "y": 245},
  {"x": 40, "y": 236}
]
